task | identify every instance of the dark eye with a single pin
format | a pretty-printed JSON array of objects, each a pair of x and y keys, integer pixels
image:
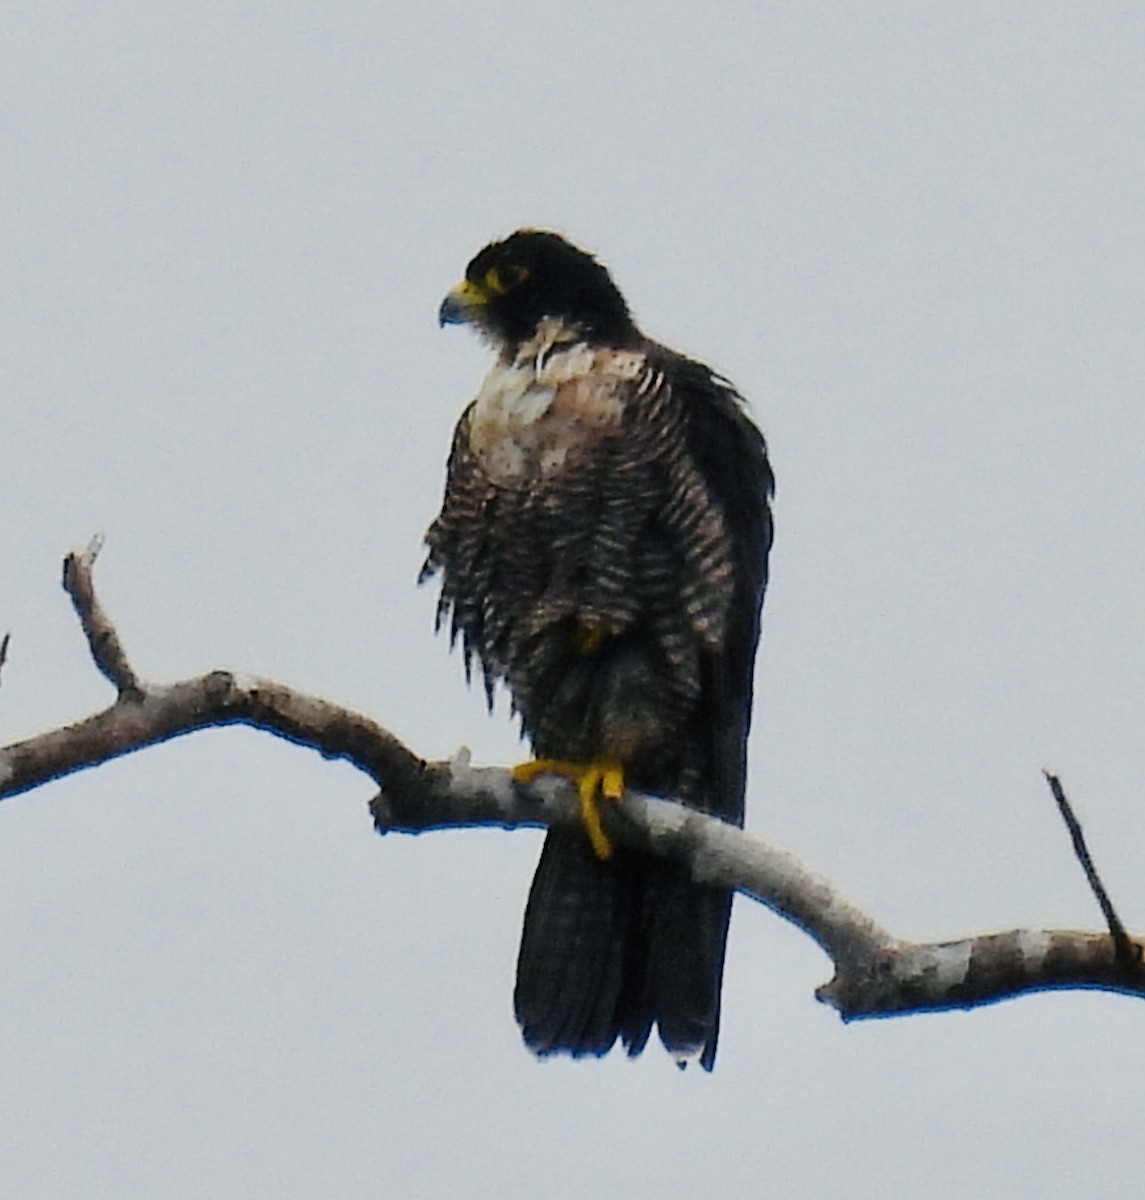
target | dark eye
[{"x": 499, "y": 280}]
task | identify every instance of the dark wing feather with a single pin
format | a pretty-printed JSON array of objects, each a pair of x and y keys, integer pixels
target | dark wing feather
[
  {"x": 728, "y": 451},
  {"x": 688, "y": 924}
]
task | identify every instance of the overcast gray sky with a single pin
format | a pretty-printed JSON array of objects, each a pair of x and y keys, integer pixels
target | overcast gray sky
[{"x": 910, "y": 232}]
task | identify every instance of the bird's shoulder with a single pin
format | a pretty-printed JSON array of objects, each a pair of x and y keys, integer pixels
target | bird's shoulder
[{"x": 723, "y": 437}]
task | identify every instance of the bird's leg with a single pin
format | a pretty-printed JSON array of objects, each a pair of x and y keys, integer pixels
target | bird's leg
[{"x": 601, "y": 777}]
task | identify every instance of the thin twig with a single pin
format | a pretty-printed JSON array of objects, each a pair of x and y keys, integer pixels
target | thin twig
[
  {"x": 1127, "y": 954},
  {"x": 102, "y": 638},
  {"x": 4, "y": 650}
]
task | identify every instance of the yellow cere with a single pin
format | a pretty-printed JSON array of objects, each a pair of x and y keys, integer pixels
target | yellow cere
[{"x": 470, "y": 293}]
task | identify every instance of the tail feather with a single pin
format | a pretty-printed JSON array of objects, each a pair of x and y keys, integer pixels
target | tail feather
[
  {"x": 610, "y": 949},
  {"x": 686, "y": 962},
  {"x": 570, "y": 969}
]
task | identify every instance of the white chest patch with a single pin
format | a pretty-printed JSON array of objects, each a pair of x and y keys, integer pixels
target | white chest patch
[{"x": 556, "y": 397}]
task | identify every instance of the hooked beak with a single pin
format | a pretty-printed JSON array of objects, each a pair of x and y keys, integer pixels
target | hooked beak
[{"x": 461, "y": 305}]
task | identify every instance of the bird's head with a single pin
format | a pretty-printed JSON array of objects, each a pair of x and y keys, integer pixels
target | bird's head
[{"x": 513, "y": 285}]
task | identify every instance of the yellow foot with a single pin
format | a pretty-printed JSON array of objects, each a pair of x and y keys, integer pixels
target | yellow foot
[
  {"x": 589, "y": 636},
  {"x": 601, "y": 775}
]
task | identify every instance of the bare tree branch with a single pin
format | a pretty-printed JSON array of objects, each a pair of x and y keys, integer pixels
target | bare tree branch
[{"x": 876, "y": 974}]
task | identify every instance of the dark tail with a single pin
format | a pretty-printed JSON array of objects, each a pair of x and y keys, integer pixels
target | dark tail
[{"x": 610, "y": 949}]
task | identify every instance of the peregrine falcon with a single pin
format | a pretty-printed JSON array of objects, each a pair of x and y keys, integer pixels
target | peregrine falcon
[{"x": 602, "y": 548}]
